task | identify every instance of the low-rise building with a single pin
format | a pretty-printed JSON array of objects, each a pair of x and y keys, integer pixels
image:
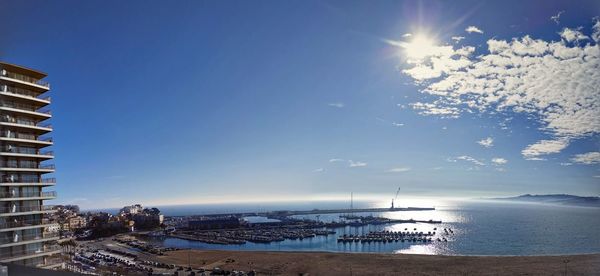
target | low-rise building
[{"x": 214, "y": 223}]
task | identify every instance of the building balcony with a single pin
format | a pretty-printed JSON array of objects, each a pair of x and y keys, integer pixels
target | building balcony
[
  {"x": 28, "y": 109},
  {"x": 26, "y": 152},
  {"x": 25, "y": 210},
  {"x": 12, "y": 167},
  {"x": 14, "y": 225},
  {"x": 12, "y": 136},
  {"x": 46, "y": 250},
  {"x": 15, "y": 240},
  {"x": 39, "y": 129},
  {"x": 21, "y": 94},
  {"x": 24, "y": 79},
  {"x": 10, "y": 182},
  {"x": 16, "y": 196}
]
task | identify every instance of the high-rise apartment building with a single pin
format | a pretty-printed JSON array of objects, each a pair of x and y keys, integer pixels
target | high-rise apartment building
[{"x": 24, "y": 139}]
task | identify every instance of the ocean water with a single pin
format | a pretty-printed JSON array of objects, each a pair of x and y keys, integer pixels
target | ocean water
[{"x": 480, "y": 228}]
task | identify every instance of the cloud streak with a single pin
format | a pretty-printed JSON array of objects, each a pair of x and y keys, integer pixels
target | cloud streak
[
  {"x": 399, "y": 169},
  {"x": 556, "y": 18},
  {"x": 353, "y": 164},
  {"x": 587, "y": 158},
  {"x": 467, "y": 158}
]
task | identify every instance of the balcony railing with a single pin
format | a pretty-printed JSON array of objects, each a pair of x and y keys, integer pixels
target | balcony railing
[
  {"x": 27, "y": 107},
  {"x": 22, "y": 209},
  {"x": 39, "y": 180},
  {"x": 23, "y": 92},
  {"x": 26, "y": 123},
  {"x": 24, "y": 136},
  {"x": 29, "y": 237},
  {"x": 24, "y": 78},
  {"x": 27, "y": 194},
  {"x": 24, "y": 223},
  {"x": 22, "y": 150},
  {"x": 20, "y": 253},
  {"x": 22, "y": 165}
]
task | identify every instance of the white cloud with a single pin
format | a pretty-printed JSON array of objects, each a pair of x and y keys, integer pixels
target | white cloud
[
  {"x": 467, "y": 158},
  {"x": 338, "y": 105},
  {"x": 397, "y": 124},
  {"x": 399, "y": 169},
  {"x": 544, "y": 147},
  {"x": 319, "y": 170},
  {"x": 587, "y": 158},
  {"x": 486, "y": 142},
  {"x": 407, "y": 35},
  {"x": 500, "y": 169},
  {"x": 596, "y": 176},
  {"x": 353, "y": 164},
  {"x": 566, "y": 163},
  {"x": 573, "y": 35},
  {"x": 336, "y": 160},
  {"x": 499, "y": 161},
  {"x": 556, "y": 18},
  {"x": 557, "y": 83},
  {"x": 457, "y": 39},
  {"x": 473, "y": 29}
]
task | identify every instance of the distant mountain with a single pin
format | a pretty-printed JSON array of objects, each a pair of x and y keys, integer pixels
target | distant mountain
[{"x": 564, "y": 199}]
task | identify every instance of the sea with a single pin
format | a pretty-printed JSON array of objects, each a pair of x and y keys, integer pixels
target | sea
[{"x": 481, "y": 227}]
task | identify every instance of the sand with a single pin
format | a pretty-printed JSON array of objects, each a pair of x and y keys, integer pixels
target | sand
[{"x": 324, "y": 263}]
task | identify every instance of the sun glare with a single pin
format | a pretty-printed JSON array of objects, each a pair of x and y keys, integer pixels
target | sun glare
[{"x": 419, "y": 47}]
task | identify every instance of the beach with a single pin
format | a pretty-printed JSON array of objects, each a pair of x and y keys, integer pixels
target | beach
[{"x": 325, "y": 263}]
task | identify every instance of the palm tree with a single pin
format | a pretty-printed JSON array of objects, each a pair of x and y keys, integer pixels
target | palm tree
[{"x": 68, "y": 245}]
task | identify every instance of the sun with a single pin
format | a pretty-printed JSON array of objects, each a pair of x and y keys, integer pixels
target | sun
[{"x": 419, "y": 47}]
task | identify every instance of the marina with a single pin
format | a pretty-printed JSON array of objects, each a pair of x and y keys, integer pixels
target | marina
[
  {"x": 473, "y": 225},
  {"x": 282, "y": 225}
]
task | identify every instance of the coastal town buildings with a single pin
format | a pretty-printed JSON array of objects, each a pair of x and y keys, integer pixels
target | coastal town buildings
[
  {"x": 68, "y": 219},
  {"x": 142, "y": 218},
  {"x": 131, "y": 210},
  {"x": 24, "y": 166}
]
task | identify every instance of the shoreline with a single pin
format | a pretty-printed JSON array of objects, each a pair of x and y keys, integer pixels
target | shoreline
[{"x": 336, "y": 263}]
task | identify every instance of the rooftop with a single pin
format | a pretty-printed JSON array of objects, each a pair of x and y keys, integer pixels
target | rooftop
[{"x": 23, "y": 70}]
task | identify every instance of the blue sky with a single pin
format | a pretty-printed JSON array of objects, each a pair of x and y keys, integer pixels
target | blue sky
[{"x": 213, "y": 101}]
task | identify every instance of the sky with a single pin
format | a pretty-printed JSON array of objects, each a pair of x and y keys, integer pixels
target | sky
[{"x": 231, "y": 101}]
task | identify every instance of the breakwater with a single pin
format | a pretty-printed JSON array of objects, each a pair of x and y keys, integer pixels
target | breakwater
[{"x": 286, "y": 213}]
